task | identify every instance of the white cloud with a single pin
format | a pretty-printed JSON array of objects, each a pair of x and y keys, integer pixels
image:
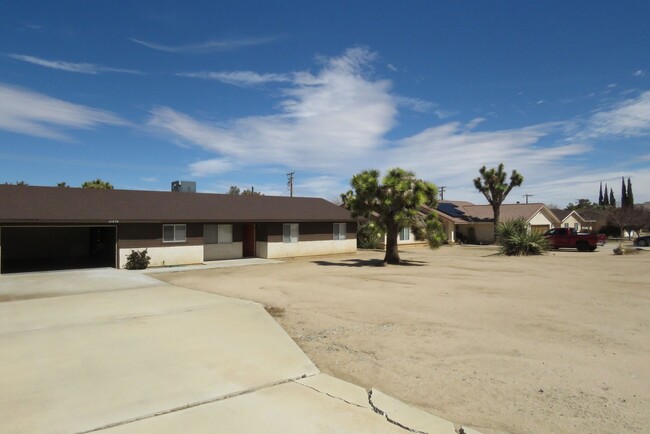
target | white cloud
[
  {"x": 206, "y": 47},
  {"x": 210, "y": 167},
  {"x": 83, "y": 68},
  {"x": 415, "y": 104},
  {"x": 325, "y": 120},
  {"x": 334, "y": 122},
  {"x": 149, "y": 179},
  {"x": 240, "y": 78},
  {"x": 639, "y": 73},
  {"x": 631, "y": 118},
  {"x": 391, "y": 67},
  {"x": 26, "y": 112}
]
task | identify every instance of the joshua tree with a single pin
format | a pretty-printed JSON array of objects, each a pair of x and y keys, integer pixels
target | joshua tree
[
  {"x": 395, "y": 203},
  {"x": 492, "y": 183}
]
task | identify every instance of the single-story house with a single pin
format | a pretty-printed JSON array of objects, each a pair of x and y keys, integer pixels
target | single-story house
[
  {"x": 475, "y": 223},
  {"x": 571, "y": 219},
  {"x": 46, "y": 228}
]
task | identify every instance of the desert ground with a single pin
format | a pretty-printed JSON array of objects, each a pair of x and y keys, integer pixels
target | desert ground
[{"x": 558, "y": 343}]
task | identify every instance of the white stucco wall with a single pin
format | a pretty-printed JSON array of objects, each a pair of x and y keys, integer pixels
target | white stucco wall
[
  {"x": 215, "y": 252},
  {"x": 165, "y": 256},
  {"x": 305, "y": 248}
]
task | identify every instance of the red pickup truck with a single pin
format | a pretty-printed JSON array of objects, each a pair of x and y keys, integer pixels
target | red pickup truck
[{"x": 569, "y": 238}]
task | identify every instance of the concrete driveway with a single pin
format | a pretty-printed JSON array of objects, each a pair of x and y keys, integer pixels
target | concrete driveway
[{"x": 121, "y": 352}]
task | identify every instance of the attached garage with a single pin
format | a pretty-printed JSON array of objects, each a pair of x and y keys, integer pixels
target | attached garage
[{"x": 45, "y": 248}]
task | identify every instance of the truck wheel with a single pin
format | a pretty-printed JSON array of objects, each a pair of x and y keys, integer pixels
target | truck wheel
[
  {"x": 582, "y": 246},
  {"x": 643, "y": 243},
  {"x": 592, "y": 248}
]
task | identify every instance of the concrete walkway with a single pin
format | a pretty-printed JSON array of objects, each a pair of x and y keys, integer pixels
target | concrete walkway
[{"x": 119, "y": 352}]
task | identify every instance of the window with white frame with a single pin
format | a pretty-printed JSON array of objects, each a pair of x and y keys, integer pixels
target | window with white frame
[
  {"x": 290, "y": 233},
  {"x": 340, "y": 231},
  {"x": 224, "y": 234},
  {"x": 404, "y": 234},
  {"x": 576, "y": 226},
  {"x": 174, "y": 233},
  {"x": 566, "y": 225}
]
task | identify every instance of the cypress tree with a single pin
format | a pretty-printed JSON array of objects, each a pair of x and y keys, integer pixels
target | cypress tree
[
  {"x": 630, "y": 195},
  {"x": 623, "y": 193},
  {"x": 612, "y": 200},
  {"x": 606, "y": 197},
  {"x": 600, "y": 195}
]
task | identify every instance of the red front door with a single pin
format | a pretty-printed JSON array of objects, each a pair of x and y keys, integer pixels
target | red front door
[{"x": 249, "y": 240}]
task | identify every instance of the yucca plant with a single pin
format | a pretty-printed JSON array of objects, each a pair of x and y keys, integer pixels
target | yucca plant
[{"x": 514, "y": 239}]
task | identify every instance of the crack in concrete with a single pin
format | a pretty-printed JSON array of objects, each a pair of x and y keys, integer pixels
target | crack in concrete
[
  {"x": 380, "y": 412},
  {"x": 194, "y": 404},
  {"x": 330, "y": 395}
]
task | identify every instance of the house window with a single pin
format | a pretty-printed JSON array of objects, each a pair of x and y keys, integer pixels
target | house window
[
  {"x": 340, "y": 231},
  {"x": 566, "y": 225},
  {"x": 224, "y": 234},
  {"x": 404, "y": 234},
  {"x": 174, "y": 234},
  {"x": 290, "y": 233},
  {"x": 576, "y": 226}
]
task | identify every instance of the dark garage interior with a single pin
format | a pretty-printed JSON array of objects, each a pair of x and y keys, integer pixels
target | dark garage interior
[{"x": 26, "y": 249}]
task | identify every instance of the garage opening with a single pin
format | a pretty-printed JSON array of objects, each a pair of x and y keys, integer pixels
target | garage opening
[{"x": 25, "y": 249}]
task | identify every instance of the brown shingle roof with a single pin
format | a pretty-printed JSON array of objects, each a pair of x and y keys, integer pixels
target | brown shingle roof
[
  {"x": 76, "y": 205},
  {"x": 466, "y": 212}
]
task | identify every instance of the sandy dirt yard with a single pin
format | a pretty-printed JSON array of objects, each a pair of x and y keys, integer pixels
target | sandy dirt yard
[{"x": 549, "y": 344}]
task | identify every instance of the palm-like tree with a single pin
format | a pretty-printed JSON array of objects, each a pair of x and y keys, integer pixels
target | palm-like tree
[
  {"x": 492, "y": 183},
  {"x": 97, "y": 183},
  {"x": 395, "y": 203}
]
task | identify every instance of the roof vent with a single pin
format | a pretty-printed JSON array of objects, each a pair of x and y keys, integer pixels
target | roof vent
[{"x": 184, "y": 186}]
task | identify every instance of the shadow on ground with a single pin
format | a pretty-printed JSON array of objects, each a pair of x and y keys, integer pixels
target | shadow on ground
[{"x": 368, "y": 263}]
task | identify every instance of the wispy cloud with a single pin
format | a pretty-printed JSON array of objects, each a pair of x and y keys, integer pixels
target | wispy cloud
[
  {"x": 240, "y": 78},
  {"x": 27, "y": 112},
  {"x": 206, "y": 47},
  {"x": 82, "y": 68},
  {"x": 415, "y": 104},
  {"x": 332, "y": 117},
  {"x": 334, "y": 122},
  {"x": 639, "y": 73},
  {"x": 630, "y": 118}
]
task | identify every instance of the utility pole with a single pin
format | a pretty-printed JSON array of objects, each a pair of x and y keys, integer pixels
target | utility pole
[
  {"x": 442, "y": 192},
  {"x": 290, "y": 183},
  {"x": 527, "y": 196}
]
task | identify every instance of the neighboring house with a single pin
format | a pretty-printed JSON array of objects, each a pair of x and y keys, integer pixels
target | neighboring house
[
  {"x": 44, "y": 228},
  {"x": 475, "y": 223},
  {"x": 571, "y": 219},
  {"x": 595, "y": 219}
]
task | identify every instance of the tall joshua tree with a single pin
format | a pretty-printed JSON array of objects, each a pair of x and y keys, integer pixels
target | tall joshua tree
[
  {"x": 395, "y": 203},
  {"x": 492, "y": 183}
]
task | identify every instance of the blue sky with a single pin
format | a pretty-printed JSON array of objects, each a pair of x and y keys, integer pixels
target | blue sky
[{"x": 241, "y": 92}]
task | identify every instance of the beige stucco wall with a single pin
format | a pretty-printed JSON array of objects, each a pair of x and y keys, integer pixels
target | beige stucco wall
[
  {"x": 540, "y": 219},
  {"x": 484, "y": 233},
  {"x": 215, "y": 252},
  {"x": 305, "y": 248},
  {"x": 165, "y": 256},
  {"x": 571, "y": 221}
]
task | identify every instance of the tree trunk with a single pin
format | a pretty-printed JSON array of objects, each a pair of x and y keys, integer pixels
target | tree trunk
[
  {"x": 392, "y": 253},
  {"x": 497, "y": 214}
]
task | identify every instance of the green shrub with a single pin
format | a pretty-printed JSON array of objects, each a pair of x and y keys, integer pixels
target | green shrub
[
  {"x": 369, "y": 236},
  {"x": 514, "y": 239},
  {"x": 137, "y": 260}
]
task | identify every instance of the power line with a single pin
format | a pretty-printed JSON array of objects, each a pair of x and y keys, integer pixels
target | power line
[
  {"x": 442, "y": 192},
  {"x": 290, "y": 183}
]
